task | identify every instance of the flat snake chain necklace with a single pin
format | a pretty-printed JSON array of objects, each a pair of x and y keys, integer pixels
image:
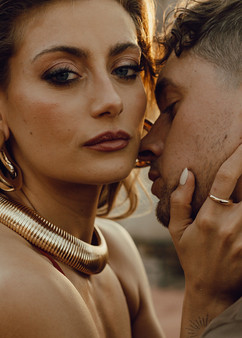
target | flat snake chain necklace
[{"x": 86, "y": 258}]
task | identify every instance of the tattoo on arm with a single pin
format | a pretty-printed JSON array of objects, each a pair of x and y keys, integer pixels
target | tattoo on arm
[{"x": 197, "y": 326}]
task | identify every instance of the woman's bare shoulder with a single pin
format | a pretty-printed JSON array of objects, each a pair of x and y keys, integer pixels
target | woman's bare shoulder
[
  {"x": 128, "y": 267},
  {"x": 124, "y": 258},
  {"x": 123, "y": 254},
  {"x": 36, "y": 299},
  {"x": 118, "y": 239},
  {"x": 112, "y": 230}
]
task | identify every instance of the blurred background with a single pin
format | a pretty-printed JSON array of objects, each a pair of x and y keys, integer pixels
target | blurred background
[{"x": 156, "y": 248}]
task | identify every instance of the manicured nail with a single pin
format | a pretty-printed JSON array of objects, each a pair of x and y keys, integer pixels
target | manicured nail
[{"x": 183, "y": 177}]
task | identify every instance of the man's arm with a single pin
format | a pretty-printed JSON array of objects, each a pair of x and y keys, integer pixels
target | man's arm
[{"x": 209, "y": 248}]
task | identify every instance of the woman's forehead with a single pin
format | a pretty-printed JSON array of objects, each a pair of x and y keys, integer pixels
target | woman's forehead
[{"x": 85, "y": 21}]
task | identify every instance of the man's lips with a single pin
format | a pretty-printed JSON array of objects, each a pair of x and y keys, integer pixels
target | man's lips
[
  {"x": 153, "y": 174},
  {"x": 109, "y": 141}
]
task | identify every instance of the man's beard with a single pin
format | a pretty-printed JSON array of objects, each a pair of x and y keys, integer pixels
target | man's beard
[{"x": 163, "y": 206}]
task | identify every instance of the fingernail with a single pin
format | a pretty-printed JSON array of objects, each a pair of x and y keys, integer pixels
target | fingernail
[{"x": 183, "y": 177}]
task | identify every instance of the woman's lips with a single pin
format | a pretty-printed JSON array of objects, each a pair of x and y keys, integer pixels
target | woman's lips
[{"x": 109, "y": 141}]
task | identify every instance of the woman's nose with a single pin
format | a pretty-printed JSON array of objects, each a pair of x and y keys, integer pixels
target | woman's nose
[{"x": 106, "y": 99}]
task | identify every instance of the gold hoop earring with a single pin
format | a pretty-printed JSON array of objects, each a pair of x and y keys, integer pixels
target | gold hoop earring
[
  {"x": 10, "y": 173},
  {"x": 140, "y": 163}
]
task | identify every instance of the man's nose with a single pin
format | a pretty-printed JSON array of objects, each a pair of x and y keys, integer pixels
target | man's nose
[
  {"x": 106, "y": 98},
  {"x": 152, "y": 145}
]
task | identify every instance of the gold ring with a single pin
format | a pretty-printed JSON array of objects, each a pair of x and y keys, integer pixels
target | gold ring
[{"x": 220, "y": 200}]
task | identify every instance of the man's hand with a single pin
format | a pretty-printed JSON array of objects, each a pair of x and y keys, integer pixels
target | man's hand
[{"x": 209, "y": 248}]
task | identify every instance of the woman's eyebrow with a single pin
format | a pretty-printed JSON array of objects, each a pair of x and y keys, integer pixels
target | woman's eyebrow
[
  {"x": 121, "y": 47},
  {"x": 81, "y": 53},
  {"x": 78, "y": 52}
]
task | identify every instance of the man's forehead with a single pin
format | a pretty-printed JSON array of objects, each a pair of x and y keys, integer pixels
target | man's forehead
[{"x": 173, "y": 74}]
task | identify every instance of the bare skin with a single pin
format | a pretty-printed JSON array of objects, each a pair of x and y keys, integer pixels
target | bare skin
[
  {"x": 67, "y": 88},
  {"x": 212, "y": 283},
  {"x": 199, "y": 127},
  {"x": 42, "y": 302}
]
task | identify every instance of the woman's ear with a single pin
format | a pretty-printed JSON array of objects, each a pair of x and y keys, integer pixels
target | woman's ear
[{"x": 3, "y": 119}]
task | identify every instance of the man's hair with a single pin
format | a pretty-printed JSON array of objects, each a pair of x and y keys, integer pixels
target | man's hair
[{"x": 212, "y": 29}]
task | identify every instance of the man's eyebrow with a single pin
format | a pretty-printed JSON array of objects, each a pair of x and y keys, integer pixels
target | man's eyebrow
[
  {"x": 78, "y": 52},
  {"x": 121, "y": 47}
]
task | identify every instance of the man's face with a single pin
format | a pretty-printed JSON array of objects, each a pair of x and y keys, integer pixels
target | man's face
[{"x": 200, "y": 125}]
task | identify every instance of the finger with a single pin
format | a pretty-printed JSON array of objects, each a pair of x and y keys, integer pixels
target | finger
[
  {"x": 180, "y": 209},
  {"x": 228, "y": 175}
]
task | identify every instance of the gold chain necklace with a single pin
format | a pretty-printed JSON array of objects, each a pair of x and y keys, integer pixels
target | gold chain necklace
[{"x": 86, "y": 258}]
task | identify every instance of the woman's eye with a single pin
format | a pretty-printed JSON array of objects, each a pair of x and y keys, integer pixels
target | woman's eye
[
  {"x": 61, "y": 76},
  {"x": 128, "y": 72}
]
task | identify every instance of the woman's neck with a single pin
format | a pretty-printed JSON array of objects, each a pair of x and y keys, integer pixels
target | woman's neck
[{"x": 70, "y": 207}]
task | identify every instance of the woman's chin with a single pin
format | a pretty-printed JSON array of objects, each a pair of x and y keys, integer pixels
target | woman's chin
[{"x": 112, "y": 176}]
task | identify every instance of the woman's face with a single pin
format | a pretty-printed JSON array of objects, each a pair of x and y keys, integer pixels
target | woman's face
[{"x": 75, "y": 103}]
